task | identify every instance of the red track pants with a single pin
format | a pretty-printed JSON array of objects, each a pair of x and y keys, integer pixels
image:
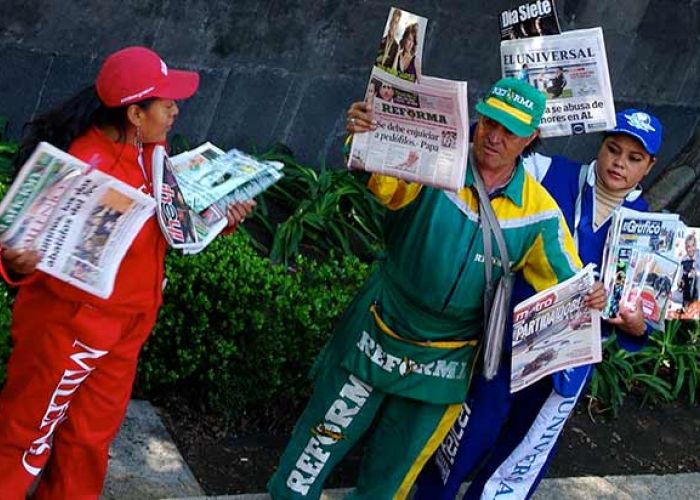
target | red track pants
[{"x": 69, "y": 380}]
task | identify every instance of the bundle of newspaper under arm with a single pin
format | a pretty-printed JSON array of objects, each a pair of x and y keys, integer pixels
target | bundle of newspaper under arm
[
  {"x": 554, "y": 330},
  {"x": 194, "y": 189},
  {"x": 81, "y": 221},
  {"x": 572, "y": 70},
  {"x": 639, "y": 254},
  {"x": 422, "y": 132}
]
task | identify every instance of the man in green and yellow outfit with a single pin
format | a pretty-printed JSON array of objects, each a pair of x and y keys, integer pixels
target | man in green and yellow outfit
[{"x": 402, "y": 355}]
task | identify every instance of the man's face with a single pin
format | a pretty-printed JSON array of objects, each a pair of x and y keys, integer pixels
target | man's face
[
  {"x": 496, "y": 147},
  {"x": 690, "y": 247}
]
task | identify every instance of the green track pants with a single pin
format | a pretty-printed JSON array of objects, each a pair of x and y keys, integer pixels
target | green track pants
[{"x": 340, "y": 411}]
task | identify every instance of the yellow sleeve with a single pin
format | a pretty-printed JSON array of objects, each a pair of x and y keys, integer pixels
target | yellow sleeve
[{"x": 392, "y": 192}]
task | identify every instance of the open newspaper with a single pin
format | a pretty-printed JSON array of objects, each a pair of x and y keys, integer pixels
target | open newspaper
[
  {"x": 531, "y": 18},
  {"x": 572, "y": 70},
  {"x": 194, "y": 189},
  {"x": 685, "y": 290},
  {"x": 554, "y": 330},
  {"x": 422, "y": 130},
  {"x": 81, "y": 221},
  {"x": 645, "y": 232}
]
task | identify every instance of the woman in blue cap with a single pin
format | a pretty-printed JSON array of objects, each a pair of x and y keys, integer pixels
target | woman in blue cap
[{"x": 511, "y": 437}]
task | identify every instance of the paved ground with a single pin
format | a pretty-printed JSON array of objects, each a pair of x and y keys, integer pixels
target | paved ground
[{"x": 145, "y": 464}]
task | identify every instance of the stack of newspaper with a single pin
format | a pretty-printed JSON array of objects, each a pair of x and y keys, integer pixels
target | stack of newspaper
[
  {"x": 571, "y": 68},
  {"x": 639, "y": 263},
  {"x": 554, "y": 330},
  {"x": 81, "y": 221},
  {"x": 194, "y": 189},
  {"x": 422, "y": 130}
]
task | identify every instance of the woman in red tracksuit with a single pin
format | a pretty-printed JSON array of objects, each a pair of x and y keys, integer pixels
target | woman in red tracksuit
[{"x": 74, "y": 359}]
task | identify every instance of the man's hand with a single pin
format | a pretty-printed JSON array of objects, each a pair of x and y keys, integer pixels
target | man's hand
[
  {"x": 20, "y": 262},
  {"x": 630, "y": 320},
  {"x": 237, "y": 212},
  {"x": 597, "y": 297},
  {"x": 360, "y": 118}
]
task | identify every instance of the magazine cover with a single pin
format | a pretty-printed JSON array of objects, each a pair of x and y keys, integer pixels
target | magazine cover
[
  {"x": 631, "y": 230},
  {"x": 685, "y": 296},
  {"x": 572, "y": 70},
  {"x": 400, "y": 51},
  {"x": 554, "y": 330},
  {"x": 533, "y": 18},
  {"x": 649, "y": 280}
]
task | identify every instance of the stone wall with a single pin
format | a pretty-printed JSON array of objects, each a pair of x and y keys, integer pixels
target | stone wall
[{"x": 286, "y": 70}]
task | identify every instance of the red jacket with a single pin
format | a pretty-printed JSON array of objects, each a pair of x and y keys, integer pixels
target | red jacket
[{"x": 138, "y": 286}]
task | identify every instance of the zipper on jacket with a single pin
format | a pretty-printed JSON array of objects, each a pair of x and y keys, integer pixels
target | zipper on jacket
[{"x": 461, "y": 270}]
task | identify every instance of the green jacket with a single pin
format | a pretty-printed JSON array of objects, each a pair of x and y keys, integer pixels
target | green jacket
[{"x": 415, "y": 327}]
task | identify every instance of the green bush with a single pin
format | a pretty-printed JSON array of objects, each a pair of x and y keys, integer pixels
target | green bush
[
  {"x": 239, "y": 332},
  {"x": 667, "y": 369},
  {"x": 5, "y": 319}
]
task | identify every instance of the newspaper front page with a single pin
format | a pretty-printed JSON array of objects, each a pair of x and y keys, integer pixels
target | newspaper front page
[
  {"x": 632, "y": 230},
  {"x": 421, "y": 135},
  {"x": 554, "y": 330},
  {"x": 572, "y": 70},
  {"x": 81, "y": 223},
  {"x": 531, "y": 18}
]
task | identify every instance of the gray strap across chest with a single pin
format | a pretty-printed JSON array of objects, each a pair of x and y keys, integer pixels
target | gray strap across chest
[{"x": 497, "y": 294}]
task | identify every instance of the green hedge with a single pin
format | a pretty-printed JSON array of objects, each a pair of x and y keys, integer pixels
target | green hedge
[
  {"x": 237, "y": 332},
  {"x": 5, "y": 319}
]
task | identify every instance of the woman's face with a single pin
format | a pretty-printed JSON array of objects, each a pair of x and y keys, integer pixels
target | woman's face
[
  {"x": 623, "y": 162},
  {"x": 410, "y": 43},
  {"x": 386, "y": 92},
  {"x": 157, "y": 120}
]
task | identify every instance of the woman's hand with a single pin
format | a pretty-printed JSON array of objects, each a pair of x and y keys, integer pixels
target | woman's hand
[
  {"x": 237, "y": 212},
  {"x": 630, "y": 320},
  {"x": 360, "y": 118},
  {"x": 20, "y": 262},
  {"x": 597, "y": 297}
]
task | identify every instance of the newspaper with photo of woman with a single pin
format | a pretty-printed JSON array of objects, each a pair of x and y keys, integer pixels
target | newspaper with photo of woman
[
  {"x": 82, "y": 221},
  {"x": 422, "y": 122}
]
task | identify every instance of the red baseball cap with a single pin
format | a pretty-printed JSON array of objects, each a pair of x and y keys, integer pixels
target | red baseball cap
[{"x": 136, "y": 73}]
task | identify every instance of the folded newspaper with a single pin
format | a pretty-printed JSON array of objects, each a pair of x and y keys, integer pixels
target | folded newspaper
[
  {"x": 82, "y": 221},
  {"x": 572, "y": 70},
  {"x": 644, "y": 232},
  {"x": 554, "y": 330},
  {"x": 193, "y": 191},
  {"x": 422, "y": 130}
]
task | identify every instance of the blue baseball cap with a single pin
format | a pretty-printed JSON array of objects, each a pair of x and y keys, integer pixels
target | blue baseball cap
[{"x": 644, "y": 127}]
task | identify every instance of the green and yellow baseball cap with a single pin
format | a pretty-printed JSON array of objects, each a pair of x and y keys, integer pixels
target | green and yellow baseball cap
[{"x": 515, "y": 104}]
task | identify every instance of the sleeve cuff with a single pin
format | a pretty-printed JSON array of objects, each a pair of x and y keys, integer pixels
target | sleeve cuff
[{"x": 631, "y": 343}]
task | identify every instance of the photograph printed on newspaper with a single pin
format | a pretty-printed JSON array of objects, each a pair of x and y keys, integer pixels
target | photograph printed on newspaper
[
  {"x": 554, "y": 330},
  {"x": 81, "y": 221},
  {"x": 685, "y": 290},
  {"x": 421, "y": 135},
  {"x": 400, "y": 51},
  {"x": 572, "y": 70},
  {"x": 531, "y": 18},
  {"x": 648, "y": 283},
  {"x": 632, "y": 230}
]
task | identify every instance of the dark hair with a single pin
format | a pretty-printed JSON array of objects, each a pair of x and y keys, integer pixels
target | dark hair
[
  {"x": 532, "y": 147},
  {"x": 63, "y": 124},
  {"x": 411, "y": 29}
]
